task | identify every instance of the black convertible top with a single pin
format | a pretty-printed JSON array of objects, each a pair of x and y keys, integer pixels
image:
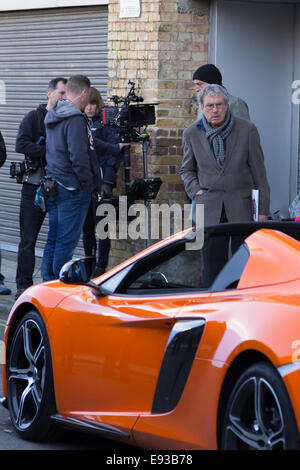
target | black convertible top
[{"x": 245, "y": 229}]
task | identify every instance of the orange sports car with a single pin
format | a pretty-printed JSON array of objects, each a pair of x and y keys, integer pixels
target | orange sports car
[{"x": 187, "y": 345}]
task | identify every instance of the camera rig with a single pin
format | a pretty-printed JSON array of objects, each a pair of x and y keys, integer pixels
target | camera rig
[
  {"x": 128, "y": 117},
  {"x": 127, "y": 120}
]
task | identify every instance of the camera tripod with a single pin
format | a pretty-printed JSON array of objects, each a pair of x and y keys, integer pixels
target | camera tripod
[{"x": 145, "y": 188}]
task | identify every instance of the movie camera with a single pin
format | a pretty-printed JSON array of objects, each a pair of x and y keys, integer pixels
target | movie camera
[
  {"x": 127, "y": 120},
  {"x": 128, "y": 117}
]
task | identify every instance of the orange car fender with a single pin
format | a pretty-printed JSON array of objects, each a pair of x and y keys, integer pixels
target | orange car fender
[
  {"x": 222, "y": 342},
  {"x": 44, "y": 299},
  {"x": 290, "y": 374},
  {"x": 270, "y": 328},
  {"x": 265, "y": 319}
]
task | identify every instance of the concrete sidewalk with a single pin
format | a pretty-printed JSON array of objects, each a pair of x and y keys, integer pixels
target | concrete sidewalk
[{"x": 8, "y": 269}]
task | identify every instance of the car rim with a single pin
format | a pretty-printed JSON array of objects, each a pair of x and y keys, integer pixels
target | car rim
[
  {"x": 26, "y": 373},
  {"x": 255, "y": 419}
]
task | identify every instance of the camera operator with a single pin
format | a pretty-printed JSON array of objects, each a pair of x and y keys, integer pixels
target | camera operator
[
  {"x": 108, "y": 149},
  {"x": 31, "y": 142}
]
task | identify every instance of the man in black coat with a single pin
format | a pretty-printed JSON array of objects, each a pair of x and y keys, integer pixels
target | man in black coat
[
  {"x": 3, "y": 289},
  {"x": 108, "y": 149},
  {"x": 31, "y": 142}
]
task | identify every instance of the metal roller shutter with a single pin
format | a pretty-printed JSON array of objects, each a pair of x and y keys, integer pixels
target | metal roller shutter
[{"x": 36, "y": 46}]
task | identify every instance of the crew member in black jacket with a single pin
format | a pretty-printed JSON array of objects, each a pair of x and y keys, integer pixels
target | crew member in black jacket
[
  {"x": 3, "y": 289},
  {"x": 31, "y": 142},
  {"x": 108, "y": 148}
]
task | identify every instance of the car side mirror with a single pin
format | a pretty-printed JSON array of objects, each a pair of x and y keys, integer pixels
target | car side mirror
[{"x": 79, "y": 272}]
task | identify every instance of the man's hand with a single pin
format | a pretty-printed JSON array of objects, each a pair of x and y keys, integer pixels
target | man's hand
[
  {"x": 262, "y": 218},
  {"x": 199, "y": 192},
  {"x": 123, "y": 146},
  {"x": 106, "y": 190}
]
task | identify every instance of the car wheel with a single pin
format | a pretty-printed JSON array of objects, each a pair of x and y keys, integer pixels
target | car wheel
[
  {"x": 30, "y": 390},
  {"x": 259, "y": 415}
]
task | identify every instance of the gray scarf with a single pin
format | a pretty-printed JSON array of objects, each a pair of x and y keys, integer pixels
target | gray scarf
[{"x": 216, "y": 136}]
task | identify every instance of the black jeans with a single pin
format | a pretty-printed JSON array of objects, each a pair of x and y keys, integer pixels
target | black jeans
[
  {"x": 31, "y": 220},
  {"x": 89, "y": 238},
  {"x": 1, "y": 275},
  {"x": 216, "y": 252}
]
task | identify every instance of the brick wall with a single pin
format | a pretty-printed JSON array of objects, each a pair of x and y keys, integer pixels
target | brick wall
[{"x": 159, "y": 51}]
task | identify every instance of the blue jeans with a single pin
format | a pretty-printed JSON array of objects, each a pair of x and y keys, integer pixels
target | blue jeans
[{"x": 66, "y": 214}]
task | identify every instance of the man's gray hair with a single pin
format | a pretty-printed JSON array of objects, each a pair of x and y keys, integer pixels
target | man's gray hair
[
  {"x": 213, "y": 90},
  {"x": 52, "y": 85}
]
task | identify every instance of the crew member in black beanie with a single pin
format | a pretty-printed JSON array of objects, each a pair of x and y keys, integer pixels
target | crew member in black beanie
[{"x": 210, "y": 74}]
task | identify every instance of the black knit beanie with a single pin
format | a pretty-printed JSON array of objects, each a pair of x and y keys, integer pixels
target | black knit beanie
[{"x": 208, "y": 74}]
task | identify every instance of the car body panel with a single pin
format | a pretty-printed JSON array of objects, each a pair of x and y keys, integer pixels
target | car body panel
[
  {"x": 198, "y": 407},
  {"x": 253, "y": 319},
  {"x": 108, "y": 351},
  {"x": 42, "y": 297},
  {"x": 275, "y": 258},
  {"x": 114, "y": 340}
]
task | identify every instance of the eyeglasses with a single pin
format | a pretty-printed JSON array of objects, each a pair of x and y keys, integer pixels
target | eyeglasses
[{"x": 210, "y": 106}]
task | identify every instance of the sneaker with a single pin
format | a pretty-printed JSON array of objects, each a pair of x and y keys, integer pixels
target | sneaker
[{"x": 4, "y": 290}]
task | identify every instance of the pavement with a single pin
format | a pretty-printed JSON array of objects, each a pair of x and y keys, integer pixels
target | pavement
[{"x": 8, "y": 269}]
